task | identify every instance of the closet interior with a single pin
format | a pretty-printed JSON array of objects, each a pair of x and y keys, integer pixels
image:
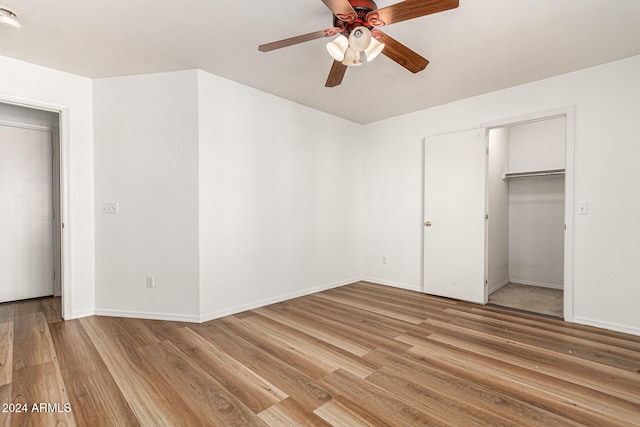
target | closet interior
[{"x": 525, "y": 224}]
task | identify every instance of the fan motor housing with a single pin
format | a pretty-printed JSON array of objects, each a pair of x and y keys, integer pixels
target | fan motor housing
[
  {"x": 362, "y": 8},
  {"x": 364, "y": 4}
]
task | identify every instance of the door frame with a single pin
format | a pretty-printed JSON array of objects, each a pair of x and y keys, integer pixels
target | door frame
[
  {"x": 569, "y": 114},
  {"x": 63, "y": 161}
]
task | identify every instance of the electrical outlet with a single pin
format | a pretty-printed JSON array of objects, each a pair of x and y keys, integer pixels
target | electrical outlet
[
  {"x": 384, "y": 259},
  {"x": 110, "y": 208},
  {"x": 151, "y": 282}
]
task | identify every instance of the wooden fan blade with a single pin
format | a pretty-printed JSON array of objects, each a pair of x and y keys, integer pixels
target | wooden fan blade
[
  {"x": 336, "y": 74},
  {"x": 400, "y": 53},
  {"x": 297, "y": 39},
  {"x": 342, "y": 9},
  {"x": 409, "y": 9}
]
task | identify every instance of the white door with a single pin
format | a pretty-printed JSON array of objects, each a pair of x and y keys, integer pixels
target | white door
[
  {"x": 454, "y": 206},
  {"x": 26, "y": 214}
]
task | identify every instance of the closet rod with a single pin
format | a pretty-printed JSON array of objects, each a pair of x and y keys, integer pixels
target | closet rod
[{"x": 547, "y": 172}]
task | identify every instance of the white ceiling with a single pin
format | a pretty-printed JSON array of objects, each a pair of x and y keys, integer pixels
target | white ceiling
[{"x": 482, "y": 46}]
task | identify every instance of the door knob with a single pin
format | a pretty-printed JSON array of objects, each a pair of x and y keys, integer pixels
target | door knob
[{"x": 427, "y": 223}]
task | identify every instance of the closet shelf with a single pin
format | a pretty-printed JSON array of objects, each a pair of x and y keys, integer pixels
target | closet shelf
[{"x": 541, "y": 172}]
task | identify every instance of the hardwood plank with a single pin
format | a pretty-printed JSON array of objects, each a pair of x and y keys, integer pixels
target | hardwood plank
[
  {"x": 6, "y": 353},
  {"x": 93, "y": 393},
  {"x": 389, "y": 310},
  {"x": 201, "y": 392},
  {"x": 243, "y": 315},
  {"x": 461, "y": 393},
  {"x": 52, "y": 309},
  {"x": 554, "y": 341},
  {"x": 362, "y": 354},
  {"x": 617, "y": 382},
  {"x": 151, "y": 398},
  {"x": 361, "y": 319},
  {"x": 401, "y": 298},
  {"x": 96, "y": 399},
  {"x": 32, "y": 343},
  {"x": 367, "y": 320},
  {"x": 341, "y": 411},
  {"x": 250, "y": 388},
  {"x": 28, "y": 306},
  {"x": 37, "y": 385},
  {"x": 576, "y": 403},
  {"x": 378, "y": 402},
  {"x": 140, "y": 332},
  {"x": 307, "y": 364},
  {"x": 291, "y": 413},
  {"x": 617, "y": 339},
  {"x": 340, "y": 331},
  {"x": 5, "y": 397},
  {"x": 417, "y": 303},
  {"x": 307, "y": 344},
  {"x": 151, "y": 331},
  {"x": 309, "y": 327},
  {"x": 436, "y": 405},
  {"x": 73, "y": 345},
  {"x": 7, "y": 311},
  {"x": 309, "y": 393}
]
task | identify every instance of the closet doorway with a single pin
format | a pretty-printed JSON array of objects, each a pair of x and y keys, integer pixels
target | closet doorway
[
  {"x": 526, "y": 199},
  {"x": 30, "y": 214}
]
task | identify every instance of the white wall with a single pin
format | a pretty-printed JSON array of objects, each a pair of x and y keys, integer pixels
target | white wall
[
  {"x": 27, "y": 83},
  {"x": 146, "y": 159},
  {"x": 498, "y": 209},
  {"x": 230, "y": 197},
  {"x": 536, "y": 231},
  {"x": 536, "y": 204},
  {"x": 606, "y": 176},
  {"x": 280, "y": 198},
  {"x": 537, "y": 145}
]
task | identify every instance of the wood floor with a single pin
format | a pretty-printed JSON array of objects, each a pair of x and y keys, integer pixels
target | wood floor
[{"x": 362, "y": 354}]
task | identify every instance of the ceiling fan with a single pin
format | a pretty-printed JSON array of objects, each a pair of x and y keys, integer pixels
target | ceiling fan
[{"x": 357, "y": 23}]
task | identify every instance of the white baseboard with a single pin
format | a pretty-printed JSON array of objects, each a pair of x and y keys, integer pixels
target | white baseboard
[
  {"x": 390, "y": 283},
  {"x": 498, "y": 286},
  {"x": 274, "y": 300},
  {"x": 80, "y": 314},
  {"x": 607, "y": 325},
  {"x": 539, "y": 284},
  {"x": 176, "y": 317}
]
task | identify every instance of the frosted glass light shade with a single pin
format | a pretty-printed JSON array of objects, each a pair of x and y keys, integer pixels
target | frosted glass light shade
[
  {"x": 352, "y": 58},
  {"x": 360, "y": 38},
  {"x": 338, "y": 47},
  {"x": 374, "y": 49}
]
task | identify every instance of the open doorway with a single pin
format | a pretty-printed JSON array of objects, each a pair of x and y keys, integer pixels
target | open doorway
[
  {"x": 31, "y": 249},
  {"x": 526, "y": 201}
]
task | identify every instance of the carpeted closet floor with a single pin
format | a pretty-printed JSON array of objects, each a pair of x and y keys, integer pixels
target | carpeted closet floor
[{"x": 529, "y": 298}]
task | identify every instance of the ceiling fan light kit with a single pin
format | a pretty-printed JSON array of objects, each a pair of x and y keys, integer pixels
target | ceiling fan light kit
[
  {"x": 349, "y": 51},
  {"x": 374, "y": 49},
  {"x": 338, "y": 47},
  {"x": 357, "y": 23},
  {"x": 360, "y": 39},
  {"x": 9, "y": 17},
  {"x": 352, "y": 58}
]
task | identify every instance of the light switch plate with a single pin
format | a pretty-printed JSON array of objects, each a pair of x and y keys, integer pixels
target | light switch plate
[{"x": 110, "y": 208}]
